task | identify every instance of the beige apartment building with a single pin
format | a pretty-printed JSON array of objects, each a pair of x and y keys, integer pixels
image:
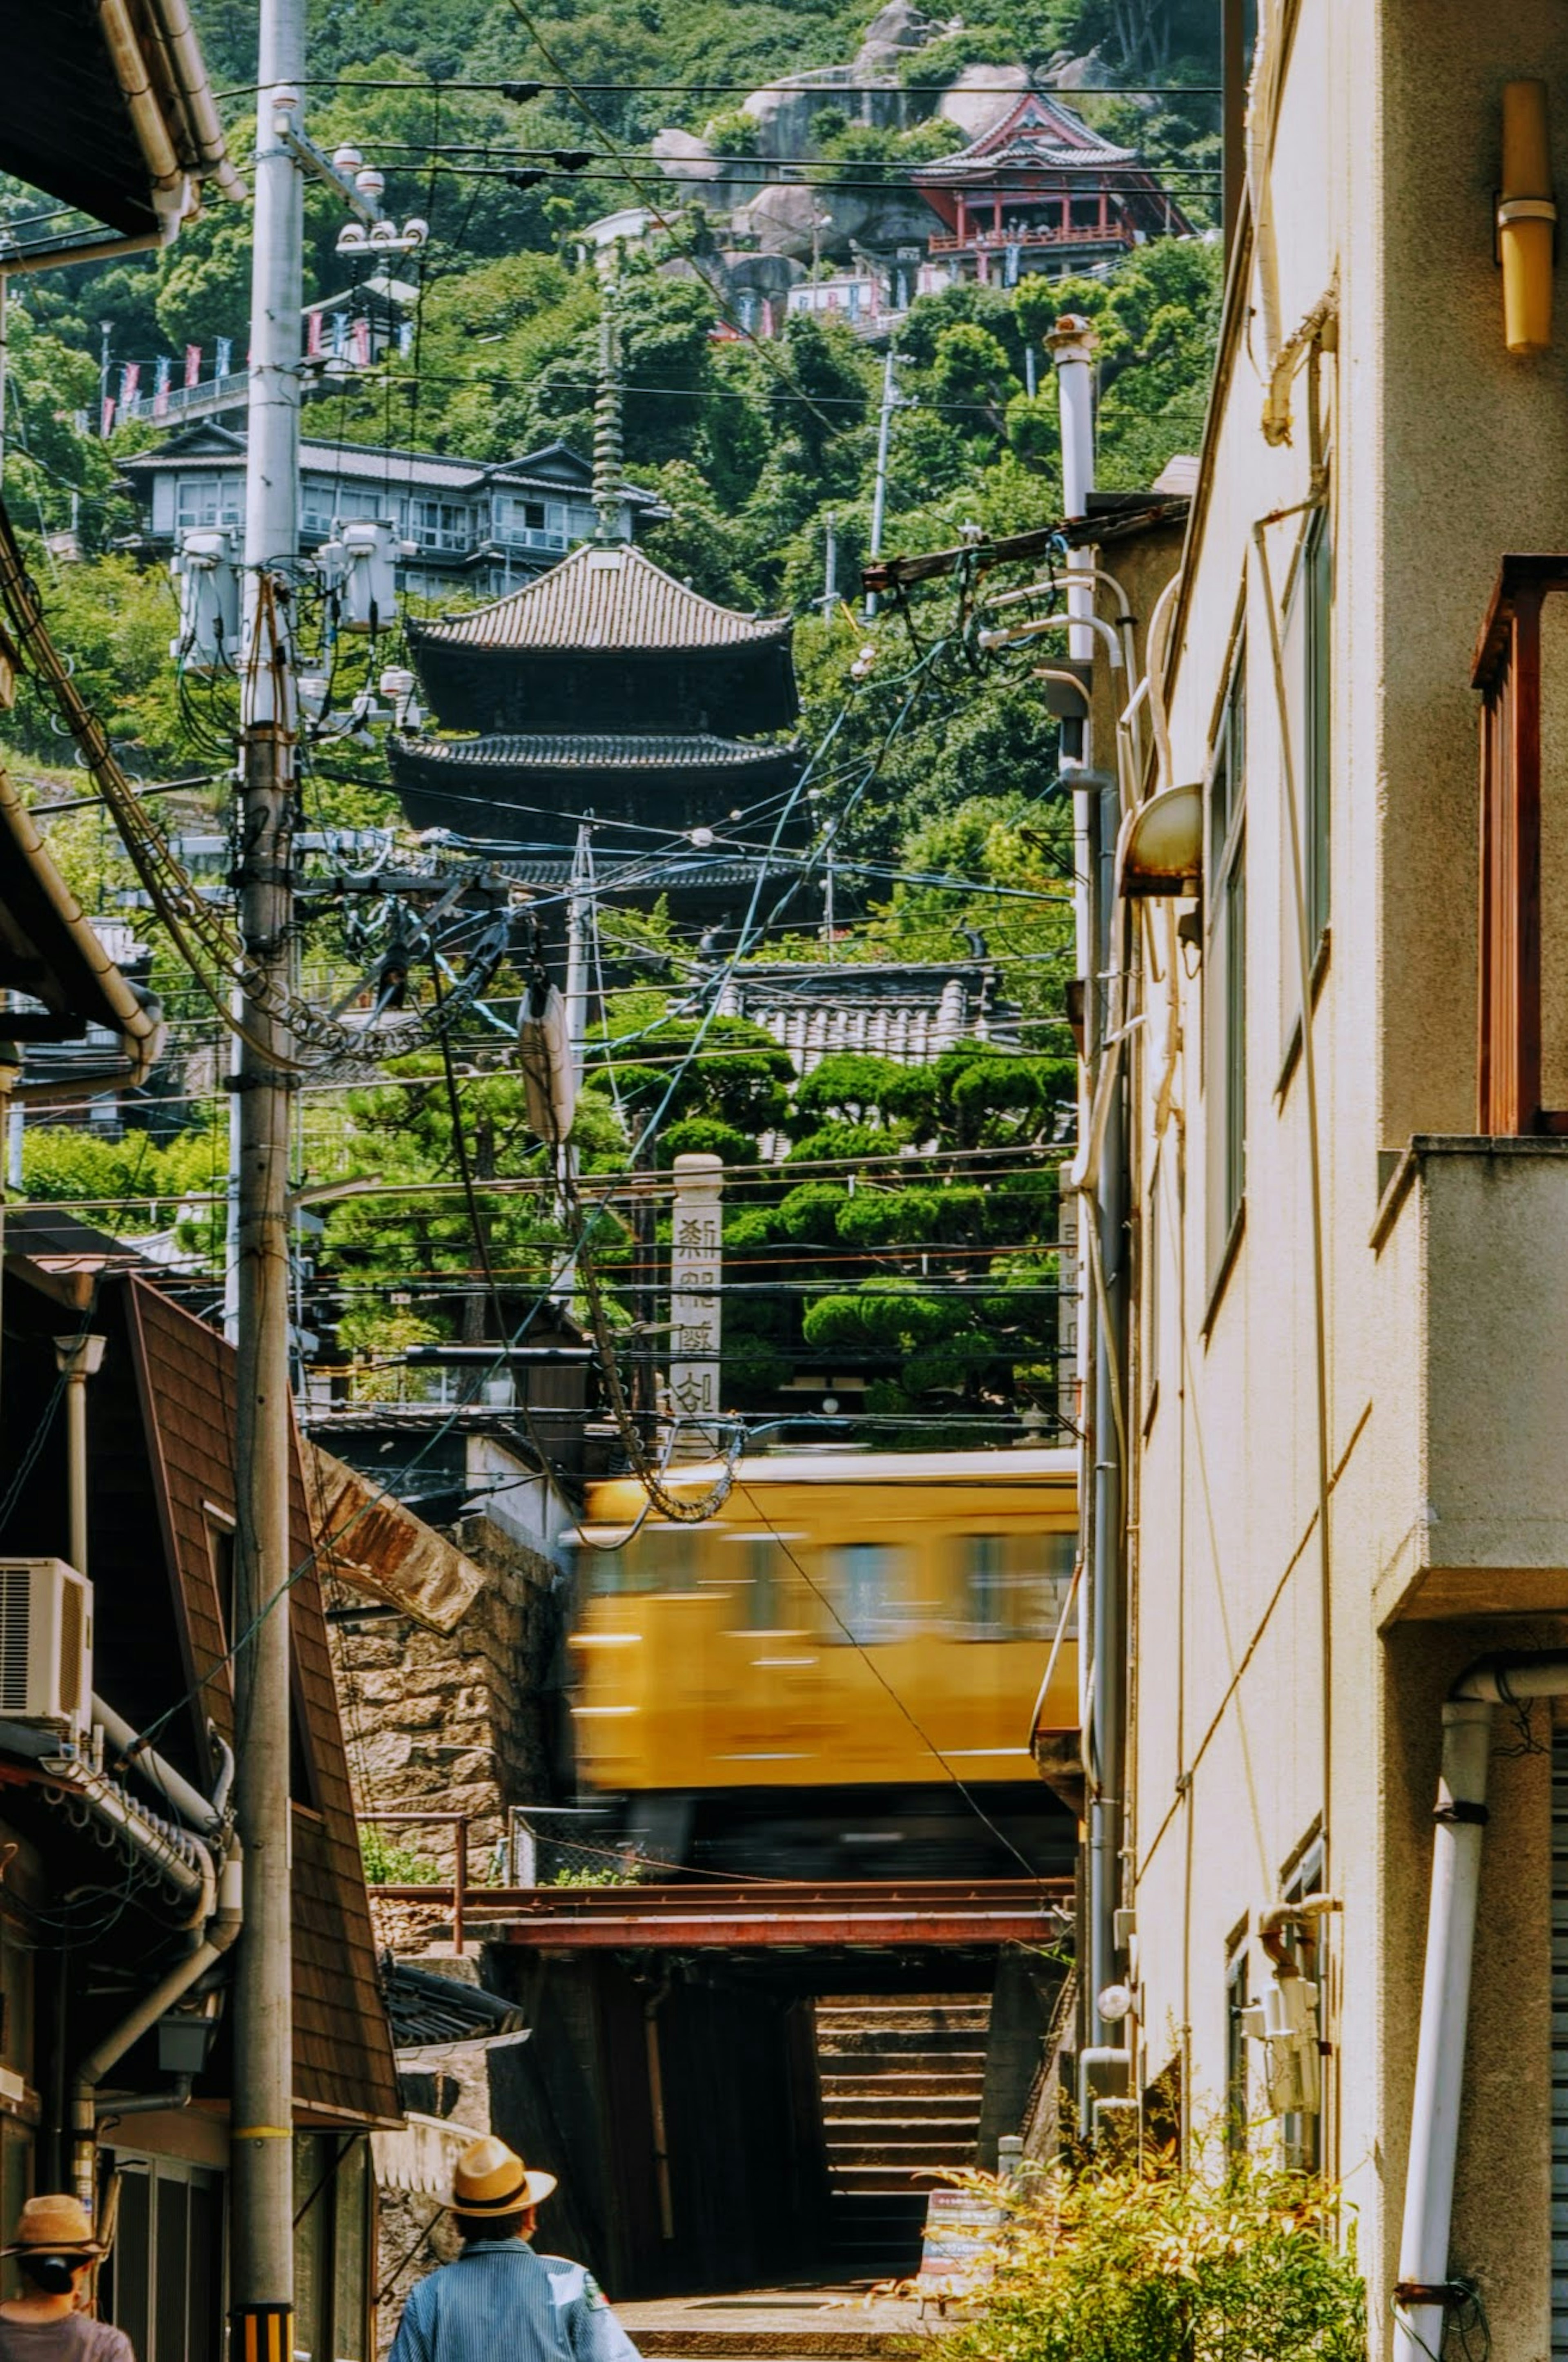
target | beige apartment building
[{"x": 1346, "y": 1374}]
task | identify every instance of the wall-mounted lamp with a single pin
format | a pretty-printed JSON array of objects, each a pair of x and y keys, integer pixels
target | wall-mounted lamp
[
  {"x": 1161, "y": 848},
  {"x": 1526, "y": 219}
]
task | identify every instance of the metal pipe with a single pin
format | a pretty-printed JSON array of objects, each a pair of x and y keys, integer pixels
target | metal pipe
[
  {"x": 77, "y": 1358},
  {"x": 171, "y": 187},
  {"x": 172, "y": 1785},
  {"x": 650, "y": 2009},
  {"x": 172, "y": 20},
  {"x": 1072, "y": 344},
  {"x": 221, "y": 1930},
  {"x": 1461, "y": 1818}
]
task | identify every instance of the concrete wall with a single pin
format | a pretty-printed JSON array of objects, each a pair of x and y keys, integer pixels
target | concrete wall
[{"x": 1444, "y": 1405}]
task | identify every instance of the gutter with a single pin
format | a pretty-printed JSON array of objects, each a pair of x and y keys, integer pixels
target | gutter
[
  {"x": 177, "y": 36},
  {"x": 172, "y": 194},
  {"x": 1424, "y": 2293}
]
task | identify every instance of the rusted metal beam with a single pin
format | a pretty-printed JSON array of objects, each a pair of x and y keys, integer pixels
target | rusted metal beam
[{"x": 723, "y": 1917}]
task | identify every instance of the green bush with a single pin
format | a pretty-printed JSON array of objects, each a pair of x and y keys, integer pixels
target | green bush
[
  {"x": 387, "y": 1864},
  {"x": 1129, "y": 2263}
]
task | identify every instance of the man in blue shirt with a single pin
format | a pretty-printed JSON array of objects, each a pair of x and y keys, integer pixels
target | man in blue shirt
[{"x": 499, "y": 2298}]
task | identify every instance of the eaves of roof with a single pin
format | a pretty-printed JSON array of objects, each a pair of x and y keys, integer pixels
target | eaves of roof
[{"x": 591, "y": 751}]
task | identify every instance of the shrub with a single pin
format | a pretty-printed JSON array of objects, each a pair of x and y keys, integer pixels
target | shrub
[{"x": 1129, "y": 2263}]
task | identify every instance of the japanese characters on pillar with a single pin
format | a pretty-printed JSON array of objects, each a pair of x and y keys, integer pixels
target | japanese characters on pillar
[{"x": 696, "y": 1252}]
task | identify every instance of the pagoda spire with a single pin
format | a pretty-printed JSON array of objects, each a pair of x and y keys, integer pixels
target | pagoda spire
[{"x": 609, "y": 449}]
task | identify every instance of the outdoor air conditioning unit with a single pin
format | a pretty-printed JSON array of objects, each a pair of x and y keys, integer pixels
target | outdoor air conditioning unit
[{"x": 46, "y": 1645}]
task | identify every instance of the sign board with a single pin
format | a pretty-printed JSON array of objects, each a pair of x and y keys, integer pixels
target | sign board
[{"x": 957, "y": 2253}]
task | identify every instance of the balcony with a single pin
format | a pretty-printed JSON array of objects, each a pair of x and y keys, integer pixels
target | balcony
[{"x": 1469, "y": 1450}]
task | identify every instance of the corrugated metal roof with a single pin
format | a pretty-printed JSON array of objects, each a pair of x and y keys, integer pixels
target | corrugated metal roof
[
  {"x": 614, "y": 600},
  {"x": 608, "y": 750}
]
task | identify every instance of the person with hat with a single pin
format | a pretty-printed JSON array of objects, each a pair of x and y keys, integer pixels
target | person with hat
[
  {"x": 54, "y": 2248},
  {"x": 499, "y": 2298}
]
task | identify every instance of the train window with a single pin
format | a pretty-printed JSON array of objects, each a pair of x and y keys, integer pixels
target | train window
[
  {"x": 1013, "y": 1584},
  {"x": 661, "y": 1558},
  {"x": 868, "y": 1593}
]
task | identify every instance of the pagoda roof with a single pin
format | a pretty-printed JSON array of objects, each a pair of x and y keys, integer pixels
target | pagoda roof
[
  {"x": 1038, "y": 134},
  {"x": 602, "y": 600},
  {"x": 592, "y": 751}
]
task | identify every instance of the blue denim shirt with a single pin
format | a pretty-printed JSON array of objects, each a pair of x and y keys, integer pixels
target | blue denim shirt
[{"x": 501, "y": 2300}]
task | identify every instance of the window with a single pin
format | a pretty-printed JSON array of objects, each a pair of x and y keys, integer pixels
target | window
[
  {"x": 760, "y": 1568},
  {"x": 1013, "y": 1584},
  {"x": 439, "y": 524},
  {"x": 203, "y": 501},
  {"x": 531, "y": 524},
  {"x": 1224, "y": 975},
  {"x": 866, "y": 1586},
  {"x": 660, "y": 1558}
]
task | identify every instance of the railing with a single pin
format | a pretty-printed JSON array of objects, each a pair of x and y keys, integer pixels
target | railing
[
  {"x": 1507, "y": 672},
  {"x": 191, "y": 401},
  {"x": 1112, "y": 234}
]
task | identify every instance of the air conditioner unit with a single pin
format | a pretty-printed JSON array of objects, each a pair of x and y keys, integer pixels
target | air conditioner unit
[{"x": 46, "y": 1645}]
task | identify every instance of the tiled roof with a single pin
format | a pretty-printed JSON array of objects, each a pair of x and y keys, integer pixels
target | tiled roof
[
  {"x": 612, "y": 600},
  {"x": 590, "y": 752},
  {"x": 1039, "y": 131}
]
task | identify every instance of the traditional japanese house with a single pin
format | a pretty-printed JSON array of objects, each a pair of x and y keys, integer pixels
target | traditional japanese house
[{"x": 1040, "y": 190}]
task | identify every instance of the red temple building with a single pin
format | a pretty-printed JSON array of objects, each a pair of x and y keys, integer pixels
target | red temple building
[{"x": 1040, "y": 190}]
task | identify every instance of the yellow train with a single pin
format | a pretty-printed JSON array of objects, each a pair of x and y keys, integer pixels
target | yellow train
[{"x": 846, "y": 1621}]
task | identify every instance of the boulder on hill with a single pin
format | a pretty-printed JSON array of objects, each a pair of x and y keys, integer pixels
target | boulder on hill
[
  {"x": 892, "y": 34},
  {"x": 979, "y": 95}
]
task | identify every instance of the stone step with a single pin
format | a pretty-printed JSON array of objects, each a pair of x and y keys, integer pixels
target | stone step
[
  {"x": 882, "y": 2181},
  {"x": 972, "y": 2017},
  {"x": 899, "y": 2041},
  {"x": 863, "y": 2107},
  {"x": 933, "y": 2156},
  {"x": 900, "y": 2083}
]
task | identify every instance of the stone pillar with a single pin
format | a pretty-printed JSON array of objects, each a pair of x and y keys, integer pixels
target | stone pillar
[{"x": 696, "y": 1318}]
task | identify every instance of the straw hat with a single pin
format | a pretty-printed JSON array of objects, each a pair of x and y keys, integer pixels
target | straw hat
[
  {"x": 490, "y": 2179},
  {"x": 56, "y": 2225}
]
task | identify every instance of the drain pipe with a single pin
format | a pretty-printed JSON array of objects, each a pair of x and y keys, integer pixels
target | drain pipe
[
  {"x": 223, "y": 1927},
  {"x": 1422, "y": 2291}
]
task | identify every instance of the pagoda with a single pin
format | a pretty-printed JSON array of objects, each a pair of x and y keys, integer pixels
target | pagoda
[
  {"x": 604, "y": 687},
  {"x": 1040, "y": 190}
]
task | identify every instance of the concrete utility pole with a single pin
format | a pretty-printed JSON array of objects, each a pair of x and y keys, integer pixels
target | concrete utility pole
[{"x": 262, "y": 2182}]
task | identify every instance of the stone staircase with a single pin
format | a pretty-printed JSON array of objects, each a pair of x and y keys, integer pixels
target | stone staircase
[{"x": 901, "y": 2082}]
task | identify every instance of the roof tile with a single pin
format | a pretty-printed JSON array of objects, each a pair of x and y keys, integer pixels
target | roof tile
[{"x": 610, "y": 599}]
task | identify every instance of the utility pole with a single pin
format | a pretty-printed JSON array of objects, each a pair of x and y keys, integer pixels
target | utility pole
[
  {"x": 884, "y": 429},
  {"x": 579, "y": 946},
  {"x": 829, "y": 566},
  {"x": 262, "y": 2181},
  {"x": 106, "y": 330}
]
